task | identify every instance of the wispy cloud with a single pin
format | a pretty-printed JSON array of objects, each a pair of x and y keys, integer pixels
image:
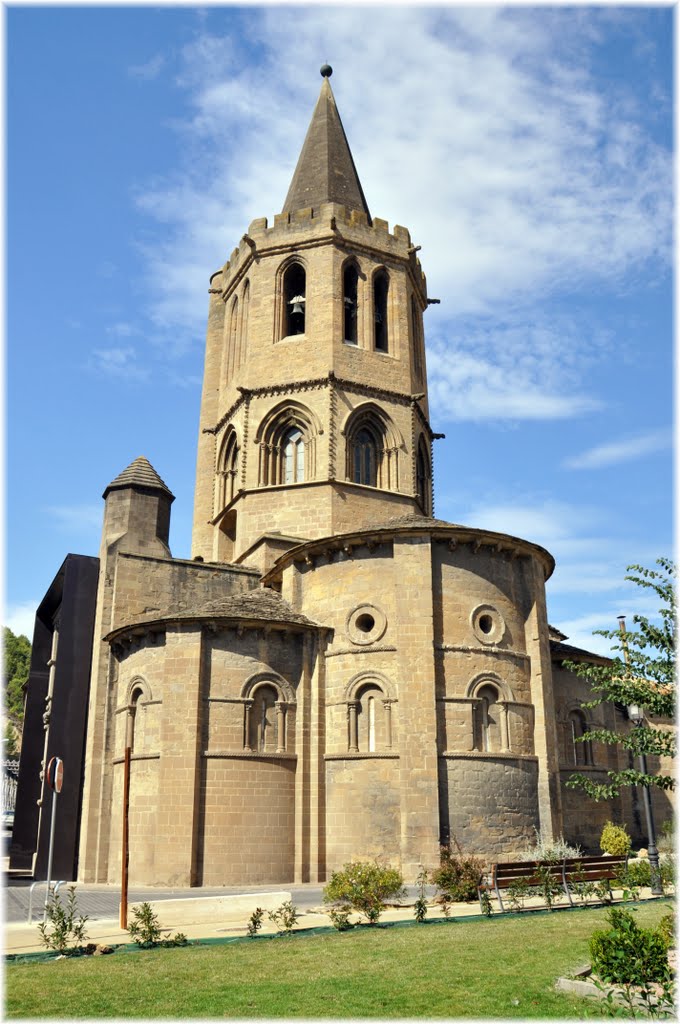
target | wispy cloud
[
  {"x": 625, "y": 450},
  {"x": 149, "y": 70},
  {"x": 119, "y": 362},
  {"x": 538, "y": 179}
]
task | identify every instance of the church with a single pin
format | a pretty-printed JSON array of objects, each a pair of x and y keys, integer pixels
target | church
[{"x": 334, "y": 674}]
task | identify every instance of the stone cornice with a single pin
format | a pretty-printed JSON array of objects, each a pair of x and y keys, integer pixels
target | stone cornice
[
  {"x": 315, "y": 383},
  {"x": 451, "y": 534}
]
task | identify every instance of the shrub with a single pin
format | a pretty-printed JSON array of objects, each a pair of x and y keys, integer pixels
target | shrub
[
  {"x": 627, "y": 954},
  {"x": 638, "y": 873},
  {"x": 144, "y": 928},
  {"x": 340, "y": 918},
  {"x": 365, "y": 886},
  {"x": 284, "y": 918},
  {"x": 666, "y": 928},
  {"x": 552, "y": 850},
  {"x": 666, "y": 840},
  {"x": 615, "y": 840},
  {"x": 458, "y": 877},
  {"x": 64, "y": 929},
  {"x": 255, "y": 922}
]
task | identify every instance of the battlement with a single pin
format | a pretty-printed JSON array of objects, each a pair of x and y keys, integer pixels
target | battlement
[{"x": 308, "y": 227}]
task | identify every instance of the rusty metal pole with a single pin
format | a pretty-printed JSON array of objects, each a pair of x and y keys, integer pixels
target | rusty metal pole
[{"x": 124, "y": 879}]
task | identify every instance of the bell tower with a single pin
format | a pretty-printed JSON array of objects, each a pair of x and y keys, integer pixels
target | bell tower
[{"x": 314, "y": 412}]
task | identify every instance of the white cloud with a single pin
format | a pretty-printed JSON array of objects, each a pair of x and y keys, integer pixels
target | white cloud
[
  {"x": 614, "y": 452},
  {"x": 20, "y": 618},
  {"x": 149, "y": 70},
  {"x": 118, "y": 362},
  {"x": 520, "y": 175}
]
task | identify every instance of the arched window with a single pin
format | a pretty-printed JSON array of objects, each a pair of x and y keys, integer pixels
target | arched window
[
  {"x": 580, "y": 750},
  {"x": 287, "y": 441},
  {"x": 416, "y": 342},
  {"x": 423, "y": 478},
  {"x": 381, "y": 283},
  {"x": 487, "y": 715},
  {"x": 232, "y": 340},
  {"x": 263, "y": 719},
  {"x": 293, "y": 457},
  {"x": 243, "y": 334},
  {"x": 227, "y": 472},
  {"x": 372, "y": 446},
  {"x": 366, "y": 453},
  {"x": 294, "y": 299},
  {"x": 350, "y": 297},
  {"x": 133, "y": 730},
  {"x": 370, "y": 722}
]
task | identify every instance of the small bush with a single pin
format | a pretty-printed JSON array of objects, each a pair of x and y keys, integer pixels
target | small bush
[
  {"x": 552, "y": 850},
  {"x": 627, "y": 954},
  {"x": 285, "y": 918},
  {"x": 365, "y": 886},
  {"x": 144, "y": 928},
  {"x": 255, "y": 922},
  {"x": 666, "y": 928},
  {"x": 638, "y": 872},
  {"x": 458, "y": 877},
  {"x": 64, "y": 929},
  {"x": 340, "y": 918},
  {"x": 615, "y": 840}
]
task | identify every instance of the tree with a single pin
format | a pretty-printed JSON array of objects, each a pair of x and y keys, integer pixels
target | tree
[
  {"x": 644, "y": 675},
  {"x": 17, "y": 663}
]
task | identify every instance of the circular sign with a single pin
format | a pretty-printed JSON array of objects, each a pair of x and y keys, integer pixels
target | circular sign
[{"x": 55, "y": 774}]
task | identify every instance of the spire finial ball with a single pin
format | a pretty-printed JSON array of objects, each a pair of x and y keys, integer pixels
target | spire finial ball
[{"x": 326, "y": 71}]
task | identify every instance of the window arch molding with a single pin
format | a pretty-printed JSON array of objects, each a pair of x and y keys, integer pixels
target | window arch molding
[
  {"x": 277, "y": 433},
  {"x": 369, "y": 698},
  {"x": 267, "y": 698},
  {"x": 290, "y": 284},
  {"x": 372, "y": 444},
  {"x": 489, "y": 679},
  {"x": 489, "y": 696}
]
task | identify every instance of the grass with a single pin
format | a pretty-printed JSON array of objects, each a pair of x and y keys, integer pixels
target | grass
[{"x": 502, "y": 967}]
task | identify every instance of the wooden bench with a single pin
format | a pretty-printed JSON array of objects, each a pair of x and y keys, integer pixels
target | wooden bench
[{"x": 569, "y": 870}]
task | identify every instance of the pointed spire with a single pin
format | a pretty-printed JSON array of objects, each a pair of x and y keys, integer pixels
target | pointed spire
[
  {"x": 139, "y": 473},
  {"x": 325, "y": 171}
]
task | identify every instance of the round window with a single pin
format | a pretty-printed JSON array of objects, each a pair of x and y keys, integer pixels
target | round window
[
  {"x": 365, "y": 624},
  {"x": 487, "y": 624}
]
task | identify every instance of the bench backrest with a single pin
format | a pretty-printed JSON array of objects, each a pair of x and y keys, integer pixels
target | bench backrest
[{"x": 574, "y": 869}]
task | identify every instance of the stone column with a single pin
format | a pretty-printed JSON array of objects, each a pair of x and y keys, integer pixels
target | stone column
[
  {"x": 280, "y": 727},
  {"x": 353, "y": 735},
  {"x": 387, "y": 704},
  {"x": 505, "y": 732},
  {"x": 247, "y": 713}
]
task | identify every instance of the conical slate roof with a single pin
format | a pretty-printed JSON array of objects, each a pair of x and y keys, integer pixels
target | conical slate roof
[
  {"x": 325, "y": 172},
  {"x": 139, "y": 473}
]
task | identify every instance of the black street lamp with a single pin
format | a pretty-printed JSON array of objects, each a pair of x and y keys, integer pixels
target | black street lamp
[{"x": 636, "y": 715}]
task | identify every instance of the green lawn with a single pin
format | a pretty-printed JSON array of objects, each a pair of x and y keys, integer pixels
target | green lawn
[{"x": 501, "y": 967}]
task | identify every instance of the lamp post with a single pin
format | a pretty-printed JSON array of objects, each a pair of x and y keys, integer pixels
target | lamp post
[{"x": 637, "y": 717}]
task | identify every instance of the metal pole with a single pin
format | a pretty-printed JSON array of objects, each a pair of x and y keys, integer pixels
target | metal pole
[
  {"x": 652, "y": 852},
  {"x": 51, "y": 851},
  {"x": 125, "y": 854}
]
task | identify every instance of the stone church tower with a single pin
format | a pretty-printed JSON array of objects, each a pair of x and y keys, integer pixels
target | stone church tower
[
  {"x": 335, "y": 674},
  {"x": 314, "y": 415}
]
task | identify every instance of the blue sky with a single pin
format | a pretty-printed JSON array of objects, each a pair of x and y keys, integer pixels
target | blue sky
[{"x": 529, "y": 152}]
